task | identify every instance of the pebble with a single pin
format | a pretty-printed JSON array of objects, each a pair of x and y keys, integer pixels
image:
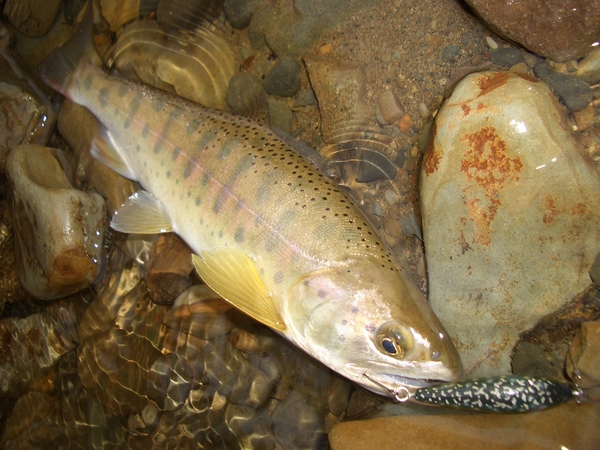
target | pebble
[
  {"x": 423, "y": 110},
  {"x": 491, "y": 42},
  {"x": 584, "y": 119},
  {"x": 449, "y": 52},
  {"x": 531, "y": 59},
  {"x": 284, "y": 78},
  {"x": 410, "y": 225},
  {"x": 239, "y": 12},
  {"x": 280, "y": 115},
  {"x": 391, "y": 196},
  {"x": 589, "y": 67},
  {"x": 506, "y": 57},
  {"x": 246, "y": 96},
  {"x": 54, "y": 264},
  {"x": 389, "y": 106},
  {"x": 576, "y": 93},
  {"x": 405, "y": 123}
]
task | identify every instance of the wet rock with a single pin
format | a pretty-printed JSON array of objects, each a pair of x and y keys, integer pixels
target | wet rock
[
  {"x": 77, "y": 126},
  {"x": 168, "y": 269},
  {"x": 576, "y": 93},
  {"x": 31, "y": 17},
  {"x": 284, "y": 78},
  {"x": 595, "y": 270},
  {"x": 498, "y": 217},
  {"x": 556, "y": 29},
  {"x": 568, "y": 425},
  {"x": 506, "y": 56},
  {"x": 583, "y": 363},
  {"x": 199, "y": 312},
  {"x": 240, "y": 12},
  {"x": 28, "y": 425},
  {"x": 54, "y": 262},
  {"x": 589, "y": 67},
  {"x": 24, "y": 109},
  {"x": 33, "y": 346},
  {"x": 294, "y": 411},
  {"x": 195, "y": 65}
]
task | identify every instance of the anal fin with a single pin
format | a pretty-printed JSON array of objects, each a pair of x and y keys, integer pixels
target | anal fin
[
  {"x": 142, "y": 214},
  {"x": 233, "y": 276}
]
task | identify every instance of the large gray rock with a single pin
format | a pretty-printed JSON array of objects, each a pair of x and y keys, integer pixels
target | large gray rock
[
  {"x": 557, "y": 29},
  {"x": 511, "y": 208}
]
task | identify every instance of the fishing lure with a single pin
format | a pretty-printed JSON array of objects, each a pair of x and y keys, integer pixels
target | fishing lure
[{"x": 512, "y": 394}]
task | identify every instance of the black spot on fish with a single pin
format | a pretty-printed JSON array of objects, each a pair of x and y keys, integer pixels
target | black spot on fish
[
  {"x": 220, "y": 235},
  {"x": 239, "y": 235},
  {"x": 197, "y": 201},
  {"x": 188, "y": 169},
  {"x": 205, "y": 179},
  {"x": 227, "y": 147},
  {"x": 168, "y": 174},
  {"x": 146, "y": 131},
  {"x": 270, "y": 244},
  {"x": 278, "y": 277},
  {"x": 103, "y": 97},
  {"x": 218, "y": 204},
  {"x": 87, "y": 84},
  {"x": 138, "y": 148},
  {"x": 123, "y": 89},
  {"x": 135, "y": 104}
]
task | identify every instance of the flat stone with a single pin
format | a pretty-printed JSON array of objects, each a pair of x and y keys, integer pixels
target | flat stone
[
  {"x": 58, "y": 229},
  {"x": 510, "y": 214},
  {"x": 240, "y": 12},
  {"x": 575, "y": 92},
  {"x": 567, "y": 426},
  {"x": 557, "y": 29}
]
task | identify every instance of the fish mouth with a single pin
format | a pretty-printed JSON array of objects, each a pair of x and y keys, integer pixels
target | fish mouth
[{"x": 400, "y": 387}]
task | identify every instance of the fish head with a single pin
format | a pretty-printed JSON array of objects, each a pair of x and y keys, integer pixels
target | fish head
[{"x": 373, "y": 326}]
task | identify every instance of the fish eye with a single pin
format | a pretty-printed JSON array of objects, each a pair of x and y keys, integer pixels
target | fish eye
[{"x": 394, "y": 340}]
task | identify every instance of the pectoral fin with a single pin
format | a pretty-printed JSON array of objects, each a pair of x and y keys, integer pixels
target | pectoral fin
[
  {"x": 233, "y": 276},
  {"x": 142, "y": 214}
]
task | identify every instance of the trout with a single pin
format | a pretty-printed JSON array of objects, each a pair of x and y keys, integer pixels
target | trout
[{"x": 270, "y": 234}]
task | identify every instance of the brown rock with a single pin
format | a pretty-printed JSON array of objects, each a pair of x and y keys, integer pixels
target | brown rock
[
  {"x": 557, "y": 29},
  {"x": 569, "y": 426},
  {"x": 168, "y": 269}
]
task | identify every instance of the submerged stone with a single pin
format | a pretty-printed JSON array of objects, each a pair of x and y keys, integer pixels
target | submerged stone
[
  {"x": 59, "y": 229},
  {"x": 510, "y": 214}
]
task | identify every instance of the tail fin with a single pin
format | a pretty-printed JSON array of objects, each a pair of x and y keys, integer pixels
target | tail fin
[{"x": 60, "y": 67}]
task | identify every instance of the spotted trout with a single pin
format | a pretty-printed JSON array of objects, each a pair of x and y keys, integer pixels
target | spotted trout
[{"x": 269, "y": 233}]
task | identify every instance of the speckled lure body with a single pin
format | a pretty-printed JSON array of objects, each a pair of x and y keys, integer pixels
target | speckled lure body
[{"x": 511, "y": 394}]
